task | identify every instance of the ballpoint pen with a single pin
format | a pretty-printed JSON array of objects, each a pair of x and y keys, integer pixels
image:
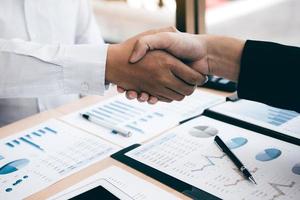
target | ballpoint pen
[
  {"x": 234, "y": 159},
  {"x": 116, "y": 130}
]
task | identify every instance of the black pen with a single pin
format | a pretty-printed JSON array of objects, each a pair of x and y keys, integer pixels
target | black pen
[{"x": 234, "y": 159}]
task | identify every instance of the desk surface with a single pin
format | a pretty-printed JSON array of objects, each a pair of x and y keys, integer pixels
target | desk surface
[{"x": 77, "y": 177}]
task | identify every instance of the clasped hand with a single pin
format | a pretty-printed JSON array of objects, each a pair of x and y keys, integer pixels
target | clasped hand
[{"x": 156, "y": 65}]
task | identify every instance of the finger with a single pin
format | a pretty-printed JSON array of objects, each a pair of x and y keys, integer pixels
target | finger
[
  {"x": 186, "y": 73},
  {"x": 163, "y": 99},
  {"x": 120, "y": 89},
  {"x": 143, "y": 97},
  {"x": 170, "y": 94},
  {"x": 152, "y": 100},
  {"x": 180, "y": 86},
  {"x": 150, "y": 42},
  {"x": 131, "y": 94}
]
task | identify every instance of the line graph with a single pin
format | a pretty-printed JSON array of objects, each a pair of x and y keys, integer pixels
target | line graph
[
  {"x": 277, "y": 186},
  {"x": 242, "y": 177},
  {"x": 210, "y": 162}
]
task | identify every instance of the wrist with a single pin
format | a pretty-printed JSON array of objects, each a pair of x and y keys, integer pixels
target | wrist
[
  {"x": 224, "y": 56},
  {"x": 111, "y": 63}
]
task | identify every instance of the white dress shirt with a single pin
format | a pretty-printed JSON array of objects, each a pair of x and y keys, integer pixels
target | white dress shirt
[{"x": 50, "y": 52}]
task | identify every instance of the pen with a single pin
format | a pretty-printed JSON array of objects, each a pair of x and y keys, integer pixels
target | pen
[
  {"x": 188, "y": 119},
  {"x": 116, "y": 130},
  {"x": 234, "y": 159}
]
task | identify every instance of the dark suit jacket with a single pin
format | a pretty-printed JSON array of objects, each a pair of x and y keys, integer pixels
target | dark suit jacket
[{"x": 270, "y": 73}]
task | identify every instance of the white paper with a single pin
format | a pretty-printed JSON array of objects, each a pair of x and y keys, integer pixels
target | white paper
[
  {"x": 119, "y": 182},
  {"x": 143, "y": 120},
  {"x": 283, "y": 121},
  {"x": 40, "y": 156},
  {"x": 189, "y": 153}
]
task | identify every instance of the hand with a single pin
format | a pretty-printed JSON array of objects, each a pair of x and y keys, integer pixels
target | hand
[
  {"x": 143, "y": 97},
  {"x": 182, "y": 45},
  {"x": 209, "y": 55},
  {"x": 158, "y": 73}
]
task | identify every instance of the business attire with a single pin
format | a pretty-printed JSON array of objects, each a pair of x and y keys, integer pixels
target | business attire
[
  {"x": 50, "y": 52},
  {"x": 270, "y": 73}
]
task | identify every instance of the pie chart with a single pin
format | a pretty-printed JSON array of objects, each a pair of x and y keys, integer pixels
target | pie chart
[
  {"x": 296, "y": 169},
  {"x": 13, "y": 166},
  {"x": 268, "y": 154},
  {"x": 236, "y": 142},
  {"x": 203, "y": 131}
]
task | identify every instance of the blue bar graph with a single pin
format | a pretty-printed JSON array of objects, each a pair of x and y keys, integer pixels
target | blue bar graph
[
  {"x": 278, "y": 117},
  {"x": 261, "y": 112},
  {"x": 134, "y": 128},
  {"x": 50, "y": 130},
  {"x": 129, "y": 116},
  {"x": 126, "y": 108},
  {"x": 31, "y": 143},
  {"x": 10, "y": 145},
  {"x": 16, "y": 142},
  {"x": 105, "y": 117},
  {"x": 129, "y": 106},
  {"x": 32, "y": 138},
  {"x": 36, "y": 134},
  {"x": 115, "y": 109},
  {"x": 42, "y": 131},
  {"x": 28, "y": 136},
  {"x": 158, "y": 114}
]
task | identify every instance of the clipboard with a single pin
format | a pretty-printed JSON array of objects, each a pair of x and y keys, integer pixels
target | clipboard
[
  {"x": 181, "y": 186},
  {"x": 249, "y": 126},
  {"x": 176, "y": 184}
]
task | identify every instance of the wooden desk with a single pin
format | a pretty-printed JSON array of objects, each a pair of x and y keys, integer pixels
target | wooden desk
[{"x": 77, "y": 177}]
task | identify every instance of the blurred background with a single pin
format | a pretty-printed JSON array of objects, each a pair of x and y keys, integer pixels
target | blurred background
[{"x": 272, "y": 20}]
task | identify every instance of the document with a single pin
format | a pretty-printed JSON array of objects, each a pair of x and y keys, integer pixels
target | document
[
  {"x": 143, "y": 120},
  {"x": 120, "y": 183},
  {"x": 40, "y": 156},
  {"x": 283, "y": 121},
  {"x": 189, "y": 153}
]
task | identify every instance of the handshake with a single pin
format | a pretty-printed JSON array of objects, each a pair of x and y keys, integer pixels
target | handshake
[{"x": 166, "y": 65}]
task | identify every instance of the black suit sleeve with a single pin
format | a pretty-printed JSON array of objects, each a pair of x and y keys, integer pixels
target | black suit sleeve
[{"x": 270, "y": 73}]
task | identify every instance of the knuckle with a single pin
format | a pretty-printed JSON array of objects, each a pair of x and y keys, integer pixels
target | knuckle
[
  {"x": 195, "y": 79},
  {"x": 180, "y": 98},
  {"x": 172, "y": 29},
  {"x": 141, "y": 41},
  {"x": 167, "y": 61},
  {"x": 190, "y": 91}
]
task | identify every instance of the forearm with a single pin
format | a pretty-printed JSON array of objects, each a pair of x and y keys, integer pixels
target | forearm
[
  {"x": 224, "y": 56},
  {"x": 270, "y": 74},
  {"x": 31, "y": 69}
]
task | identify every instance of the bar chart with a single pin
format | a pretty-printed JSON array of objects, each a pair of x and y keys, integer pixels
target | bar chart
[
  {"x": 199, "y": 162},
  {"x": 40, "y": 156},
  {"x": 118, "y": 113},
  {"x": 29, "y": 139},
  {"x": 280, "y": 120},
  {"x": 144, "y": 121}
]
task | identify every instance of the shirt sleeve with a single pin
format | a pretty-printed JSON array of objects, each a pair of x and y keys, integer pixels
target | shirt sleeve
[
  {"x": 88, "y": 31},
  {"x": 270, "y": 74},
  {"x": 31, "y": 69}
]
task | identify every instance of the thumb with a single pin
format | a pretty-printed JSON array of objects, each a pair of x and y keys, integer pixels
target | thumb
[{"x": 150, "y": 42}]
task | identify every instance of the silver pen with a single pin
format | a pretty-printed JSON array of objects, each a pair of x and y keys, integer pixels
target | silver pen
[{"x": 116, "y": 130}]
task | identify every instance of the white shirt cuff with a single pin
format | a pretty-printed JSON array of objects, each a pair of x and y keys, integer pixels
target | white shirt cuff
[{"x": 83, "y": 68}]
